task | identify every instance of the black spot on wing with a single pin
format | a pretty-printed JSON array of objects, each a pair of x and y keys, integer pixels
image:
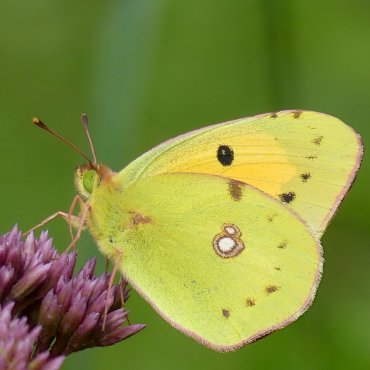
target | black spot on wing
[
  {"x": 282, "y": 245},
  {"x": 271, "y": 289},
  {"x": 317, "y": 140},
  {"x": 225, "y": 313},
  {"x": 273, "y": 115},
  {"x": 225, "y": 155},
  {"x": 287, "y": 197},
  {"x": 297, "y": 113},
  {"x": 250, "y": 302},
  {"x": 305, "y": 176}
]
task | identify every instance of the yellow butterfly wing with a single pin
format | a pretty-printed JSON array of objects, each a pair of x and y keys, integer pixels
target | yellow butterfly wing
[
  {"x": 307, "y": 160},
  {"x": 225, "y": 270}
]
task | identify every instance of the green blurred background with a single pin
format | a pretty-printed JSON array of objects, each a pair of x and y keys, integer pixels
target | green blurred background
[{"x": 146, "y": 70}]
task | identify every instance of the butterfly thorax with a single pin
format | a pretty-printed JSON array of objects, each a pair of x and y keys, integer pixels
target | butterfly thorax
[{"x": 111, "y": 215}]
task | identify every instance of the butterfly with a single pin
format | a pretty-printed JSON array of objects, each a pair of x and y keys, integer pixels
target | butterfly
[{"x": 219, "y": 229}]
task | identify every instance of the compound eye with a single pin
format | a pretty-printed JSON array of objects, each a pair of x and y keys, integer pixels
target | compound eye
[{"x": 88, "y": 180}]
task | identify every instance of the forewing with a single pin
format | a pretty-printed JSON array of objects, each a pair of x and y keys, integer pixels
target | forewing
[{"x": 305, "y": 159}]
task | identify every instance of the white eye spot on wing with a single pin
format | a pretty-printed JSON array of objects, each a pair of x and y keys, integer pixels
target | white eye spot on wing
[
  {"x": 230, "y": 230},
  {"x": 228, "y": 243}
]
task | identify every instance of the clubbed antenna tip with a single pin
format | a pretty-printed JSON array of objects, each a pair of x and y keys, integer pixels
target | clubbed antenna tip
[{"x": 36, "y": 121}]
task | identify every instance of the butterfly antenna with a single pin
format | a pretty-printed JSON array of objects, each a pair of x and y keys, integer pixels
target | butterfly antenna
[
  {"x": 36, "y": 121},
  {"x": 86, "y": 129}
]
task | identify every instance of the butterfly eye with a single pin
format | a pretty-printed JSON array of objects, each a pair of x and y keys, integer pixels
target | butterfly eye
[
  {"x": 225, "y": 155},
  {"x": 88, "y": 180}
]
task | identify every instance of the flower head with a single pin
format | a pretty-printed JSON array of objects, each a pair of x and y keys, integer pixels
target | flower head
[
  {"x": 17, "y": 342},
  {"x": 65, "y": 313}
]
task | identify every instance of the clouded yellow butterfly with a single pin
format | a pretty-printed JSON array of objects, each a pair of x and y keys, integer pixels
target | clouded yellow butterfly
[{"x": 219, "y": 229}]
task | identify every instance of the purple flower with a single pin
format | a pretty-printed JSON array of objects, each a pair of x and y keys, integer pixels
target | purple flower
[
  {"x": 17, "y": 342},
  {"x": 64, "y": 313}
]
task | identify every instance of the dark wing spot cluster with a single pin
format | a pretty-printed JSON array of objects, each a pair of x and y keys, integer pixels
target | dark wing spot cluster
[
  {"x": 271, "y": 289},
  {"x": 282, "y": 245},
  {"x": 250, "y": 302},
  {"x": 270, "y": 218},
  {"x": 273, "y": 115},
  {"x": 287, "y": 197},
  {"x": 225, "y": 155},
  {"x": 235, "y": 190},
  {"x": 138, "y": 219},
  {"x": 317, "y": 140},
  {"x": 297, "y": 113},
  {"x": 305, "y": 176},
  {"x": 225, "y": 313}
]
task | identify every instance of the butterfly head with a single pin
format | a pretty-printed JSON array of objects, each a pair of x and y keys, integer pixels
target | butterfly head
[{"x": 88, "y": 177}]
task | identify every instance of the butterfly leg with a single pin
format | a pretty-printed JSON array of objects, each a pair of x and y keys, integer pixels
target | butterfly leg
[
  {"x": 81, "y": 224},
  {"x": 110, "y": 284},
  {"x": 72, "y": 219},
  {"x": 122, "y": 296},
  {"x": 106, "y": 267},
  {"x": 76, "y": 200}
]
